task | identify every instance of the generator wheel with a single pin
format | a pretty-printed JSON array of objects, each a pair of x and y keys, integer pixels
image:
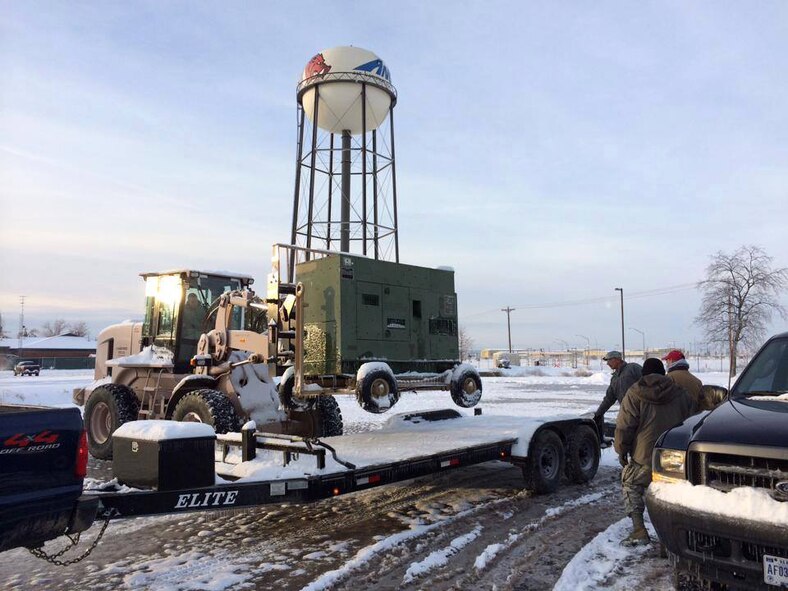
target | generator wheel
[
  {"x": 108, "y": 407},
  {"x": 290, "y": 402},
  {"x": 545, "y": 466},
  {"x": 207, "y": 406},
  {"x": 466, "y": 390},
  {"x": 330, "y": 416},
  {"x": 582, "y": 454},
  {"x": 377, "y": 391}
]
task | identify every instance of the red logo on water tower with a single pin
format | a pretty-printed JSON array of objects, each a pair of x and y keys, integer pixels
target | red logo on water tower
[{"x": 316, "y": 66}]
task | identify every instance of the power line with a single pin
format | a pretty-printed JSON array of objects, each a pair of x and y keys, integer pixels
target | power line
[{"x": 597, "y": 300}]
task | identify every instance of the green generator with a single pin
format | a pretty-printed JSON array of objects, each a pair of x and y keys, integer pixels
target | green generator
[{"x": 359, "y": 310}]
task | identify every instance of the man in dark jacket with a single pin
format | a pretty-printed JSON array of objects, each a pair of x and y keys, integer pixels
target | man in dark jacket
[
  {"x": 651, "y": 406},
  {"x": 624, "y": 375},
  {"x": 678, "y": 371}
]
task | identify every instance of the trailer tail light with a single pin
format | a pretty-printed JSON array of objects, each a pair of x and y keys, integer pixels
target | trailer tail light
[
  {"x": 336, "y": 491},
  {"x": 81, "y": 466}
]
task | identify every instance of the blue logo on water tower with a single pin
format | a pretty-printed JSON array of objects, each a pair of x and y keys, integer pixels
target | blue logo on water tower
[{"x": 376, "y": 67}]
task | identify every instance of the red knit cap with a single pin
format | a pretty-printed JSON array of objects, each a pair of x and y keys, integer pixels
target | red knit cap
[{"x": 673, "y": 356}]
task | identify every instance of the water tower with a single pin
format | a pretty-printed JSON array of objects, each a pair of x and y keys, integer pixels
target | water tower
[{"x": 346, "y": 187}]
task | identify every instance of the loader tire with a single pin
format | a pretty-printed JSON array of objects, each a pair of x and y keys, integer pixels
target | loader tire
[
  {"x": 582, "y": 454},
  {"x": 466, "y": 390},
  {"x": 545, "y": 466},
  {"x": 330, "y": 416},
  {"x": 108, "y": 407},
  {"x": 207, "y": 406},
  {"x": 377, "y": 391}
]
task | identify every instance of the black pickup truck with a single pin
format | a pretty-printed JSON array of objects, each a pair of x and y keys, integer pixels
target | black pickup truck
[
  {"x": 741, "y": 443},
  {"x": 43, "y": 461},
  {"x": 27, "y": 368}
]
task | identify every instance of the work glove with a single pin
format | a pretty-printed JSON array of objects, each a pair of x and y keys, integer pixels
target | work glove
[{"x": 622, "y": 459}]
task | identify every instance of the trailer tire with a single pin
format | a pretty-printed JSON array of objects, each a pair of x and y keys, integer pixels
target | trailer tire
[
  {"x": 290, "y": 402},
  {"x": 582, "y": 454},
  {"x": 207, "y": 406},
  {"x": 466, "y": 390},
  {"x": 377, "y": 391},
  {"x": 108, "y": 407},
  {"x": 330, "y": 416},
  {"x": 545, "y": 466}
]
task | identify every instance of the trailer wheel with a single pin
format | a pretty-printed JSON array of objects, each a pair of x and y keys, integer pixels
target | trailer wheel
[
  {"x": 466, "y": 390},
  {"x": 545, "y": 466},
  {"x": 286, "y": 398},
  {"x": 377, "y": 391},
  {"x": 582, "y": 454},
  {"x": 207, "y": 406},
  {"x": 108, "y": 407},
  {"x": 330, "y": 416}
]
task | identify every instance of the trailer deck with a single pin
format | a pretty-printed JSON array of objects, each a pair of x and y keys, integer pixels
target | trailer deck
[{"x": 409, "y": 446}]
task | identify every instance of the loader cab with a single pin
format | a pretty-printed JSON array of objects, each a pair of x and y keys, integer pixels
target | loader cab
[{"x": 177, "y": 307}]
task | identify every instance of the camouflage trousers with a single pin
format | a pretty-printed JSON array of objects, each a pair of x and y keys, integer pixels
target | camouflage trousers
[{"x": 635, "y": 479}]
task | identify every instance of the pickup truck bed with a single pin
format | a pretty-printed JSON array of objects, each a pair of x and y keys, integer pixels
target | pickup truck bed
[{"x": 41, "y": 488}]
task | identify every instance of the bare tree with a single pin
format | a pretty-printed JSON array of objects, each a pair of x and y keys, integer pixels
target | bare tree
[
  {"x": 54, "y": 328},
  {"x": 740, "y": 295},
  {"x": 79, "y": 328},
  {"x": 466, "y": 343},
  {"x": 3, "y": 335}
]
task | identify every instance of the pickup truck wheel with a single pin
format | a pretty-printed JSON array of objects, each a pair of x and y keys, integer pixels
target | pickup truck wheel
[
  {"x": 108, "y": 407},
  {"x": 330, "y": 416},
  {"x": 545, "y": 466},
  {"x": 466, "y": 390},
  {"x": 290, "y": 402},
  {"x": 207, "y": 406},
  {"x": 582, "y": 454}
]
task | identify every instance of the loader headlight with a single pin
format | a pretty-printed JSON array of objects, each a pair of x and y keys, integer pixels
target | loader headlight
[{"x": 668, "y": 465}]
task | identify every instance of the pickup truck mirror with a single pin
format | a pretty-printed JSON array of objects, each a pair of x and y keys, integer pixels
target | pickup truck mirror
[{"x": 712, "y": 396}]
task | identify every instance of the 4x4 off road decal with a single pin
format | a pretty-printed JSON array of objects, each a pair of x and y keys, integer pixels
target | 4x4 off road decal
[{"x": 23, "y": 443}]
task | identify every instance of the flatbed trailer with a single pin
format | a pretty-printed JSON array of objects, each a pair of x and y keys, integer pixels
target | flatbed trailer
[{"x": 433, "y": 442}]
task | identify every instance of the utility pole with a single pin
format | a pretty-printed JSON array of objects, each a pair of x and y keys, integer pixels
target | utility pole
[
  {"x": 623, "y": 346},
  {"x": 588, "y": 345},
  {"x": 642, "y": 334},
  {"x": 21, "y": 326},
  {"x": 508, "y": 311}
]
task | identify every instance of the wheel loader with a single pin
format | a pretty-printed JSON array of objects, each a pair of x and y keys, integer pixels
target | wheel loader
[{"x": 209, "y": 347}]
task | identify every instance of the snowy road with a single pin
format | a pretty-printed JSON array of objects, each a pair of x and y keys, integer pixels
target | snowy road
[{"x": 471, "y": 528}]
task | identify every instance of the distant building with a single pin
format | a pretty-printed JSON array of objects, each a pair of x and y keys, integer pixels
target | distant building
[{"x": 65, "y": 351}]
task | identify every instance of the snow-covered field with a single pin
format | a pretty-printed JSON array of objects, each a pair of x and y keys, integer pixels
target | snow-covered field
[{"x": 472, "y": 528}]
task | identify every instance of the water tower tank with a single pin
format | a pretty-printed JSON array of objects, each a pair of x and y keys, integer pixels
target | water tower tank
[{"x": 341, "y": 76}]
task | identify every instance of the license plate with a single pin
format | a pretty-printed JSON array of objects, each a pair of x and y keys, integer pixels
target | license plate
[{"x": 775, "y": 570}]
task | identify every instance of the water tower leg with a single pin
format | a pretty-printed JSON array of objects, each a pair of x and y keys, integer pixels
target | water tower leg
[{"x": 344, "y": 245}]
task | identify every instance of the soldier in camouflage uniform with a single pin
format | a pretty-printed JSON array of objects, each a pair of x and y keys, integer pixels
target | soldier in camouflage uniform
[{"x": 651, "y": 406}]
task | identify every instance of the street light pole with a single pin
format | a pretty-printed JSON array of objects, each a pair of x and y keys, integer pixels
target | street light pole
[
  {"x": 642, "y": 334},
  {"x": 623, "y": 346},
  {"x": 508, "y": 311}
]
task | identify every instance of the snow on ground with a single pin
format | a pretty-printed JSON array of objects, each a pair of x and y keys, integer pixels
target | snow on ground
[
  {"x": 604, "y": 563},
  {"x": 519, "y": 393}
]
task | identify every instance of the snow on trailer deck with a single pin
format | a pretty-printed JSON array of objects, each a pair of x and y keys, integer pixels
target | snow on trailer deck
[{"x": 406, "y": 447}]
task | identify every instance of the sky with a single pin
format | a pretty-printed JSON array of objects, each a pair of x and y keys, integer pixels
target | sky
[{"x": 548, "y": 153}]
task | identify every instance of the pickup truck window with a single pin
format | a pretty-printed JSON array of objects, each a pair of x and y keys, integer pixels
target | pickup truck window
[{"x": 767, "y": 374}]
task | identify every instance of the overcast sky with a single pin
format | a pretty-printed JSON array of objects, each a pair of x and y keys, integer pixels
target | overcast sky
[{"x": 548, "y": 153}]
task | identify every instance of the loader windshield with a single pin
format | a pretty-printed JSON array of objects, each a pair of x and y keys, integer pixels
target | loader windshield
[{"x": 177, "y": 306}]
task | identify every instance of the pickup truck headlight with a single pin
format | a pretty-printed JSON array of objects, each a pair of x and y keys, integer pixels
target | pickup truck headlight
[{"x": 668, "y": 465}]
